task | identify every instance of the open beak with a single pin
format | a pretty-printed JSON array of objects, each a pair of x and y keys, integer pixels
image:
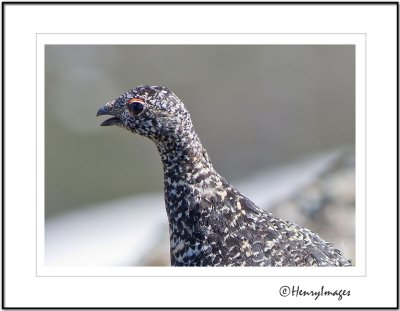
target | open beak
[{"x": 106, "y": 110}]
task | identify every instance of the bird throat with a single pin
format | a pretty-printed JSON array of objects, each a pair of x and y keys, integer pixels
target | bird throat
[
  {"x": 187, "y": 173},
  {"x": 189, "y": 178}
]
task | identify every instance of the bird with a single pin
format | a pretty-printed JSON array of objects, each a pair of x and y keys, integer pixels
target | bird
[{"x": 211, "y": 223}]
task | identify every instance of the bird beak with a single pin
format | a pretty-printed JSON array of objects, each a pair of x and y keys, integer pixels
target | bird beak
[{"x": 107, "y": 110}]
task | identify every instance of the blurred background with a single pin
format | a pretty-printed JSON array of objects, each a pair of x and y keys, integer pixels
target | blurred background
[{"x": 278, "y": 121}]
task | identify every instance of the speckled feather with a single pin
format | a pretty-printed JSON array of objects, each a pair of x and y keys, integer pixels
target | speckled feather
[{"x": 210, "y": 222}]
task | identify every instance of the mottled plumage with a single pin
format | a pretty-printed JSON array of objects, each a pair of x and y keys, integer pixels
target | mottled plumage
[{"x": 211, "y": 223}]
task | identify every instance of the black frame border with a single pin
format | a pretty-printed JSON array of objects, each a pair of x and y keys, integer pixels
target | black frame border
[{"x": 3, "y": 16}]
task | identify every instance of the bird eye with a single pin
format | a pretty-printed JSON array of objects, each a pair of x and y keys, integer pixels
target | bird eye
[{"x": 135, "y": 106}]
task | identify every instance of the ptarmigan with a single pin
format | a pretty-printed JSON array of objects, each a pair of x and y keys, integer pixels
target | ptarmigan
[{"x": 210, "y": 222}]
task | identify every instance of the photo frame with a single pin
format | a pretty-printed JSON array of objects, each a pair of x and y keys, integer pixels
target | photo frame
[{"x": 133, "y": 287}]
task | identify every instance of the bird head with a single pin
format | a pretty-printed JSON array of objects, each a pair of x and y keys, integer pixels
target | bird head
[{"x": 151, "y": 111}]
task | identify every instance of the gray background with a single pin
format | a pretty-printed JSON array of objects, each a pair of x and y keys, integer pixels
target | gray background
[{"x": 254, "y": 107}]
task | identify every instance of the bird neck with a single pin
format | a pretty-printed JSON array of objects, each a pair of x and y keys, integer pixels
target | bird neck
[
  {"x": 188, "y": 171},
  {"x": 184, "y": 158}
]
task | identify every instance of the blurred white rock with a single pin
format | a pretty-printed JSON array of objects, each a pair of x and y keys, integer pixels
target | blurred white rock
[{"x": 115, "y": 233}]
